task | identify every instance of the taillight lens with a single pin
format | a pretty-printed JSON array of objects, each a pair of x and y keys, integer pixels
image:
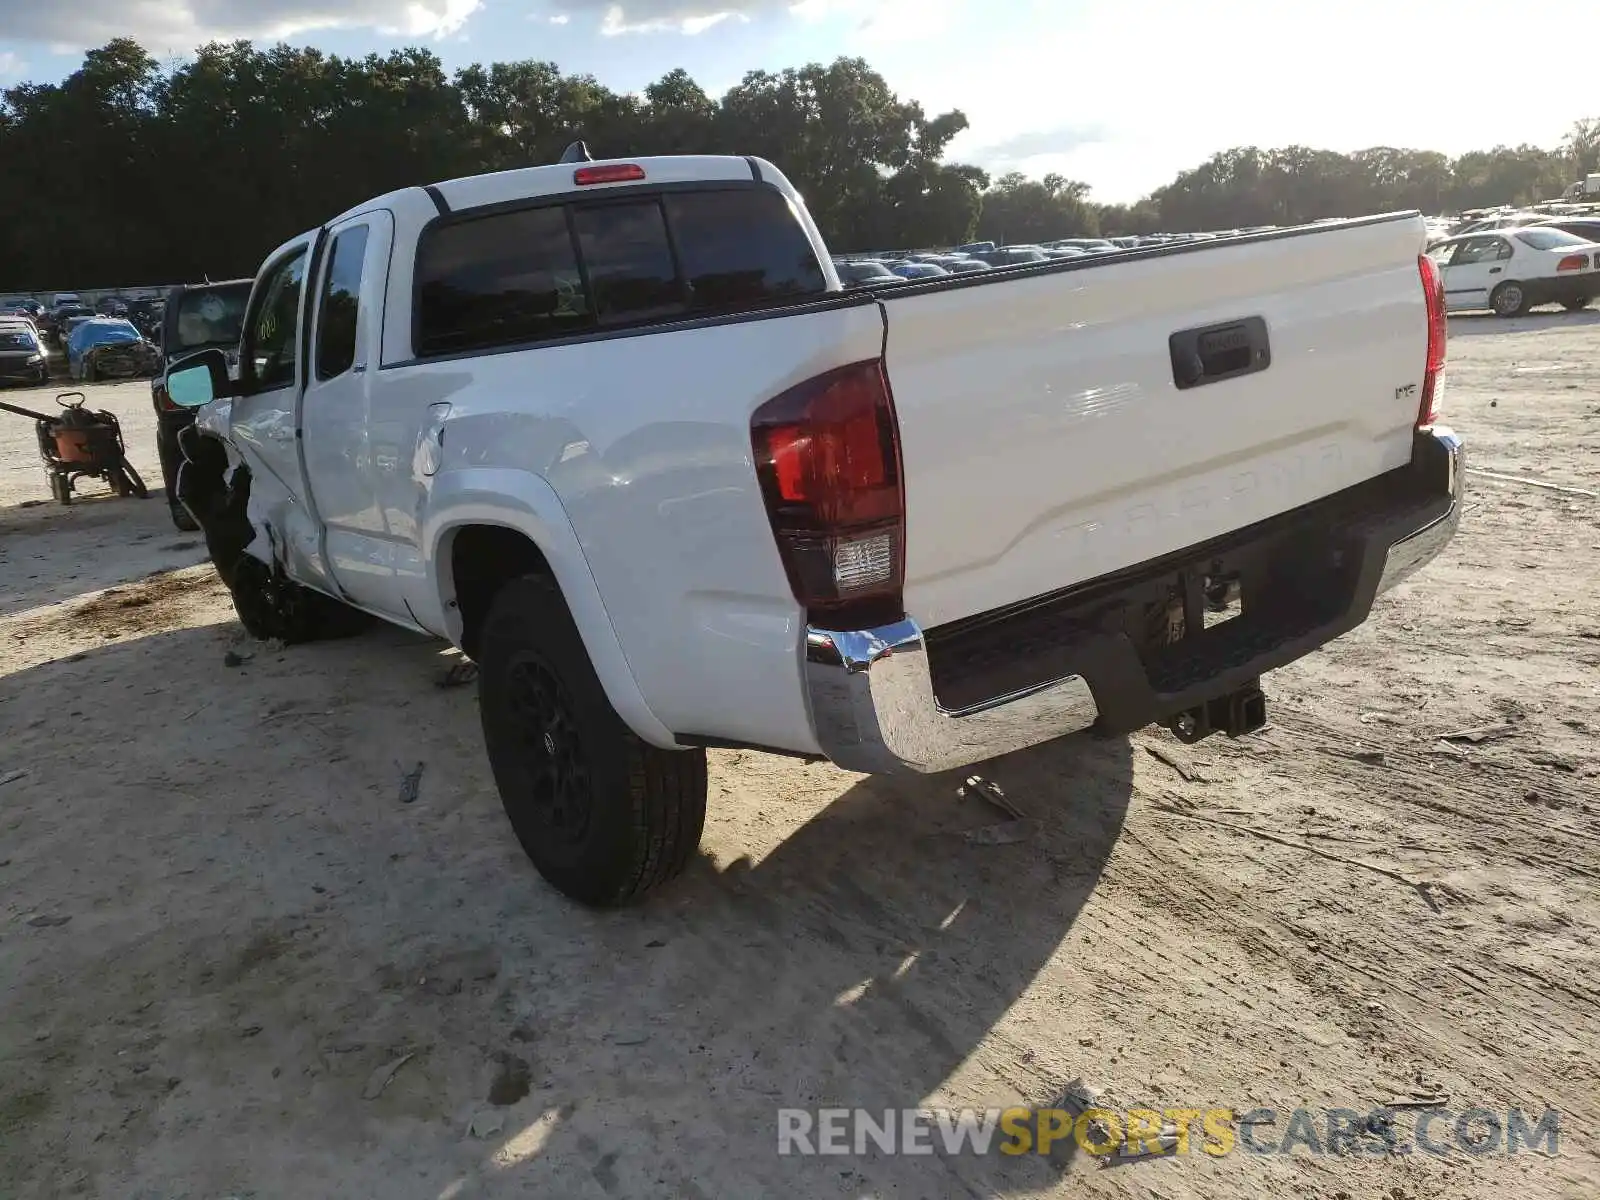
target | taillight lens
[
  {"x": 1574, "y": 262},
  {"x": 827, "y": 453},
  {"x": 610, "y": 173},
  {"x": 1433, "y": 373}
]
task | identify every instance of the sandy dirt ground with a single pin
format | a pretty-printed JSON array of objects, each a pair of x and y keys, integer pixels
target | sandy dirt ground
[{"x": 221, "y": 928}]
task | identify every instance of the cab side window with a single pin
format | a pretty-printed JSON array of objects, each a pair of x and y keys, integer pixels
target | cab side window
[
  {"x": 270, "y": 344},
  {"x": 341, "y": 294}
]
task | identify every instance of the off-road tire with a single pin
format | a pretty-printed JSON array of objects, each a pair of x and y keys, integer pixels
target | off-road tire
[
  {"x": 182, "y": 519},
  {"x": 603, "y": 815},
  {"x": 271, "y": 606},
  {"x": 1510, "y": 299}
]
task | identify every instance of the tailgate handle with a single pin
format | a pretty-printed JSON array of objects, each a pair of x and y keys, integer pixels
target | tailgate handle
[{"x": 1217, "y": 352}]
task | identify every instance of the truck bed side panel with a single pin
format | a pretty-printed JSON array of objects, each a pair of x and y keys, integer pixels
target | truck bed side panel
[
  {"x": 1046, "y": 442},
  {"x": 646, "y": 440}
]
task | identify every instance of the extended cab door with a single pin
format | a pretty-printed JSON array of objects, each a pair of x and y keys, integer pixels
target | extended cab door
[
  {"x": 262, "y": 421},
  {"x": 335, "y": 409},
  {"x": 1478, "y": 268}
]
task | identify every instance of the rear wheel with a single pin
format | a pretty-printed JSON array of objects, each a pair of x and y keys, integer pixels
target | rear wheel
[
  {"x": 605, "y": 817},
  {"x": 1510, "y": 299},
  {"x": 1576, "y": 303}
]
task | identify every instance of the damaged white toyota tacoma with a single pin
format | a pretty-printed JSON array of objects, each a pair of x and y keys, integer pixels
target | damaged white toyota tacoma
[{"x": 615, "y": 430}]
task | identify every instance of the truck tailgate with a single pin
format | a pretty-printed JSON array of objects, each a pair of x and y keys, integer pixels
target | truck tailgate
[{"x": 1046, "y": 439}]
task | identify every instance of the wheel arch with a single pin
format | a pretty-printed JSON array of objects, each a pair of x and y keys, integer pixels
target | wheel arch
[{"x": 486, "y": 526}]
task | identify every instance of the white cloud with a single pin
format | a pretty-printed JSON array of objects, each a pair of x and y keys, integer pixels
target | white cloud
[
  {"x": 174, "y": 24},
  {"x": 883, "y": 20},
  {"x": 686, "y": 18},
  {"x": 11, "y": 67},
  {"x": 869, "y": 18},
  {"x": 559, "y": 19}
]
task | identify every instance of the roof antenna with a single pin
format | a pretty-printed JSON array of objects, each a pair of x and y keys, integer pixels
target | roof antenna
[{"x": 576, "y": 153}]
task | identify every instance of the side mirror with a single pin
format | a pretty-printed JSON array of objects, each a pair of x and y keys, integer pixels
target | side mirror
[{"x": 199, "y": 379}]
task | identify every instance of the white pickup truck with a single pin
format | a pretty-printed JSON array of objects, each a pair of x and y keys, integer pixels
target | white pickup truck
[{"x": 615, "y": 430}]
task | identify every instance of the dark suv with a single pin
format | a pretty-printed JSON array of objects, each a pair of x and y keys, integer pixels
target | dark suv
[{"x": 198, "y": 316}]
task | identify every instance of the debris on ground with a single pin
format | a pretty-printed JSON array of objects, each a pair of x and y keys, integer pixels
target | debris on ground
[
  {"x": 411, "y": 783},
  {"x": 1176, "y": 761},
  {"x": 459, "y": 675},
  {"x": 1480, "y": 733},
  {"x": 486, "y": 1124},
  {"x": 234, "y": 659},
  {"x": 1559, "y": 488},
  {"x": 382, "y": 1077},
  {"x": 11, "y": 777},
  {"x": 1007, "y": 833},
  {"x": 46, "y": 921},
  {"x": 988, "y": 789}
]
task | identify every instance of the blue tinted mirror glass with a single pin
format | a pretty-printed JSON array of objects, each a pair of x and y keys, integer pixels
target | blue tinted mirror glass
[{"x": 190, "y": 387}]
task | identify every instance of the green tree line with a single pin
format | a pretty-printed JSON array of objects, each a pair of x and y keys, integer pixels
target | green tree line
[{"x": 130, "y": 172}]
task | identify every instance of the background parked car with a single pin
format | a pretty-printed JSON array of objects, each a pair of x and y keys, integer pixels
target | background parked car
[
  {"x": 58, "y": 321},
  {"x": 22, "y": 358},
  {"x": 1511, "y": 270},
  {"x": 1587, "y": 228},
  {"x": 1009, "y": 256},
  {"x": 855, "y": 273},
  {"x": 23, "y": 304},
  {"x": 918, "y": 270},
  {"x": 108, "y": 348},
  {"x": 196, "y": 317}
]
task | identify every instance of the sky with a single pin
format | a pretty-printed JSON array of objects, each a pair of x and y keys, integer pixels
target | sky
[{"x": 1122, "y": 94}]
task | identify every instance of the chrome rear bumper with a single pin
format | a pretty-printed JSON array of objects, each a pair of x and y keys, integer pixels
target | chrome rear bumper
[{"x": 871, "y": 692}]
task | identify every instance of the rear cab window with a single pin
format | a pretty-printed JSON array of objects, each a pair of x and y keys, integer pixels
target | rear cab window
[
  {"x": 208, "y": 317},
  {"x": 1548, "y": 239},
  {"x": 617, "y": 261}
]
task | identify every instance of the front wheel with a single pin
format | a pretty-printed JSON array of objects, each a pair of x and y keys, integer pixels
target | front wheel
[
  {"x": 603, "y": 815},
  {"x": 271, "y": 606},
  {"x": 1509, "y": 300},
  {"x": 1575, "y": 304}
]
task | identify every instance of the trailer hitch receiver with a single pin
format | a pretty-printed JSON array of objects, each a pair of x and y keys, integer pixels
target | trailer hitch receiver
[{"x": 1241, "y": 711}]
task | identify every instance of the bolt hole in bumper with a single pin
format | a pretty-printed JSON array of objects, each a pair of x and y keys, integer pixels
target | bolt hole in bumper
[{"x": 1103, "y": 655}]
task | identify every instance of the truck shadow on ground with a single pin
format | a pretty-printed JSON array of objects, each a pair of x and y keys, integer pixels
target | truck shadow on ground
[{"x": 863, "y": 960}]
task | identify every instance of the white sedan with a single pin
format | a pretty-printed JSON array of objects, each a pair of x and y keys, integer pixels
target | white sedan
[{"x": 1511, "y": 270}]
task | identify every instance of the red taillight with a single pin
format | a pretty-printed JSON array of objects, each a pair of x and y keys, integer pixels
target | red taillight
[
  {"x": 1433, "y": 372},
  {"x": 1574, "y": 262},
  {"x": 611, "y": 173},
  {"x": 827, "y": 453}
]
